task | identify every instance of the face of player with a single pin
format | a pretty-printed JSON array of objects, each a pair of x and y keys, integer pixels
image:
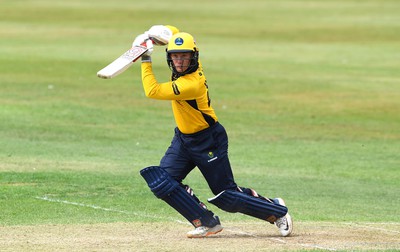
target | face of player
[{"x": 181, "y": 61}]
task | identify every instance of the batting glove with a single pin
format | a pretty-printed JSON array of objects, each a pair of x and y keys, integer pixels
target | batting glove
[
  {"x": 146, "y": 56},
  {"x": 160, "y": 34},
  {"x": 140, "y": 40}
]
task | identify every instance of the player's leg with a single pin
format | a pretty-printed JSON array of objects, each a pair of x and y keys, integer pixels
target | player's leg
[
  {"x": 218, "y": 173},
  {"x": 232, "y": 198},
  {"x": 165, "y": 182},
  {"x": 209, "y": 152},
  {"x": 168, "y": 189},
  {"x": 284, "y": 223},
  {"x": 178, "y": 164},
  {"x": 248, "y": 201},
  {"x": 204, "y": 230},
  {"x": 235, "y": 201},
  {"x": 273, "y": 211},
  {"x": 175, "y": 160}
]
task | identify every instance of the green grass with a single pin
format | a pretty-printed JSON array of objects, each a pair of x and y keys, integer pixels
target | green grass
[{"x": 309, "y": 92}]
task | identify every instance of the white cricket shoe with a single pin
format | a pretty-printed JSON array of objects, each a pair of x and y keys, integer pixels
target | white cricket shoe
[
  {"x": 284, "y": 223},
  {"x": 201, "y": 232}
]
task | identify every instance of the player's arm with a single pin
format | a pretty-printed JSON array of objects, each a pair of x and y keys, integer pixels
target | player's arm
[{"x": 184, "y": 88}]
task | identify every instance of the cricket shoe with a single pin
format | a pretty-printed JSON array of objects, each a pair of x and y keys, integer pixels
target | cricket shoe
[
  {"x": 203, "y": 231},
  {"x": 284, "y": 223}
]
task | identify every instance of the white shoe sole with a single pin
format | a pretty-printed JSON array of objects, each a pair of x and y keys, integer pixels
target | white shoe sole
[
  {"x": 286, "y": 233},
  {"x": 211, "y": 231}
]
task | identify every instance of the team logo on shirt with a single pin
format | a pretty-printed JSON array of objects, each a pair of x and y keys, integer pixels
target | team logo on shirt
[{"x": 211, "y": 156}]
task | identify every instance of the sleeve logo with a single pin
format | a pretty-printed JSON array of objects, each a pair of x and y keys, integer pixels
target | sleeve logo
[{"x": 175, "y": 88}]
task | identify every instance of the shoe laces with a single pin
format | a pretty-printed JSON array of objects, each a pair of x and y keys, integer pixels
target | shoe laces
[
  {"x": 281, "y": 222},
  {"x": 201, "y": 228}
]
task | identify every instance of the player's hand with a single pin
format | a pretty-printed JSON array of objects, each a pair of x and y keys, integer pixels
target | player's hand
[
  {"x": 140, "y": 40},
  {"x": 149, "y": 46},
  {"x": 160, "y": 34},
  {"x": 146, "y": 56}
]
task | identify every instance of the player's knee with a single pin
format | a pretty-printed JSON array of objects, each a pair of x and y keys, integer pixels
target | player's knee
[{"x": 159, "y": 181}]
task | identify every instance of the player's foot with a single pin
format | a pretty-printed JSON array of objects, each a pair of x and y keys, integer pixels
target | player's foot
[
  {"x": 284, "y": 223},
  {"x": 202, "y": 231}
]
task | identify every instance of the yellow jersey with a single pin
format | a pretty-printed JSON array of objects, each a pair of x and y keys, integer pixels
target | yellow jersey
[{"x": 191, "y": 104}]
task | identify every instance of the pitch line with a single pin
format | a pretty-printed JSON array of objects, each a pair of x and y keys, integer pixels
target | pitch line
[
  {"x": 280, "y": 240},
  {"x": 45, "y": 198},
  {"x": 376, "y": 228},
  {"x": 317, "y": 247}
]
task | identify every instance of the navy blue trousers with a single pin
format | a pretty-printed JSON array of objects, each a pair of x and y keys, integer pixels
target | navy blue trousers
[{"x": 208, "y": 150}]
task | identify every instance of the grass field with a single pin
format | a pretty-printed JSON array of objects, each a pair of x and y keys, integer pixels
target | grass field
[{"x": 309, "y": 92}]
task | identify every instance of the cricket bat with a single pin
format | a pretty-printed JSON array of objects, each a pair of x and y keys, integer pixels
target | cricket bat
[{"x": 122, "y": 63}]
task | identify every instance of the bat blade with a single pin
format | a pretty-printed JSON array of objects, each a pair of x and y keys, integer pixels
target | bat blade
[{"x": 122, "y": 63}]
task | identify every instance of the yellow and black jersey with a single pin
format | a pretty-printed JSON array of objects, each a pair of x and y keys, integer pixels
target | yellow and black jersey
[{"x": 189, "y": 95}]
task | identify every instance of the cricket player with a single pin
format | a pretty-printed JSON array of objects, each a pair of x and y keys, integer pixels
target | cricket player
[{"x": 199, "y": 141}]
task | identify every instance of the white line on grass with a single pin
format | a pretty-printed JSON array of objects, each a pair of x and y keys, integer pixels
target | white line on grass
[
  {"x": 45, "y": 198},
  {"x": 239, "y": 232},
  {"x": 376, "y": 228},
  {"x": 317, "y": 247},
  {"x": 283, "y": 241}
]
